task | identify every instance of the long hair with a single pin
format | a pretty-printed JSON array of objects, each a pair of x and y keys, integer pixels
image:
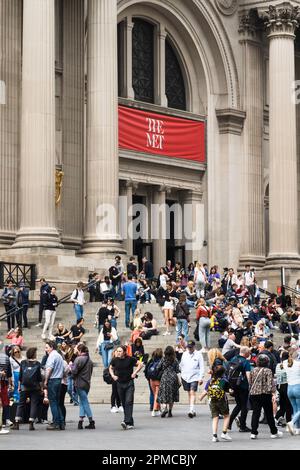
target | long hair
[
  {"x": 214, "y": 354},
  {"x": 170, "y": 355}
]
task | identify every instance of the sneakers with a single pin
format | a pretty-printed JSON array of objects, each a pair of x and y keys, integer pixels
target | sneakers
[
  {"x": 277, "y": 436},
  {"x": 155, "y": 413},
  {"x": 53, "y": 427},
  {"x": 39, "y": 325},
  {"x": 164, "y": 413},
  {"x": 167, "y": 333},
  {"x": 44, "y": 337},
  {"x": 226, "y": 437},
  {"x": 192, "y": 414},
  {"x": 290, "y": 428},
  {"x": 237, "y": 422},
  {"x": 245, "y": 429},
  {"x": 4, "y": 431},
  {"x": 9, "y": 423},
  {"x": 114, "y": 409},
  {"x": 126, "y": 426},
  {"x": 121, "y": 409},
  {"x": 253, "y": 436},
  {"x": 215, "y": 439}
]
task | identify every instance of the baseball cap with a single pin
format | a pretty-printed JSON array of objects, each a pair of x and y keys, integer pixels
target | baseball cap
[{"x": 191, "y": 344}]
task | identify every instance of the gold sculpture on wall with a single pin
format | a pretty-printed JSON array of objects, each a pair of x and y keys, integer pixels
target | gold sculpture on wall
[{"x": 59, "y": 176}]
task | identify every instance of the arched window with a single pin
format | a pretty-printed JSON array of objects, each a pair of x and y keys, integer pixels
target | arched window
[
  {"x": 175, "y": 88},
  {"x": 143, "y": 60}
]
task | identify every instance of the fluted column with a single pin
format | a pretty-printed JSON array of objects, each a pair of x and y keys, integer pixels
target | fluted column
[
  {"x": 282, "y": 22},
  {"x": 73, "y": 115},
  {"x": 101, "y": 224},
  {"x": 10, "y": 75},
  {"x": 159, "y": 228},
  {"x": 252, "y": 242},
  {"x": 37, "y": 168}
]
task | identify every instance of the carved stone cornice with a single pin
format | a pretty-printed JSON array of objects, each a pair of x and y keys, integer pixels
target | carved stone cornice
[
  {"x": 231, "y": 121},
  {"x": 282, "y": 19}
]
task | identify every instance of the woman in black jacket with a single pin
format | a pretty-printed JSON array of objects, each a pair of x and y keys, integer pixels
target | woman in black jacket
[{"x": 182, "y": 314}]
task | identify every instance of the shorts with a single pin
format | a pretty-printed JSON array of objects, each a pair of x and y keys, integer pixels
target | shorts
[
  {"x": 188, "y": 387},
  {"x": 219, "y": 407},
  {"x": 168, "y": 305}
]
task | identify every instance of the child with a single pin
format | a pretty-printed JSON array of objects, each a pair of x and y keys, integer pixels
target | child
[{"x": 216, "y": 389}]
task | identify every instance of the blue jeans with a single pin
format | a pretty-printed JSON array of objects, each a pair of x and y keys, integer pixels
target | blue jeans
[
  {"x": 106, "y": 354},
  {"x": 294, "y": 397},
  {"x": 54, "y": 386},
  {"x": 85, "y": 409},
  {"x": 182, "y": 328},
  {"x": 71, "y": 390},
  {"x": 78, "y": 311},
  {"x": 129, "y": 304}
]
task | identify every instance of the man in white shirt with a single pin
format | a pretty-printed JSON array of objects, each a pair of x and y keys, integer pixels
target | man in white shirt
[
  {"x": 192, "y": 373},
  {"x": 78, "y": 300}
]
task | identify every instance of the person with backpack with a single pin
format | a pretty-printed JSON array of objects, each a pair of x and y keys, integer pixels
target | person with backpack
[
  {"x": 192, "y": 374},
  {"x": 153, "y": 375},
  {"x": 216, "y": 389},
  {"x": 182, "y": 315},
  {"x": 77, "y": 298},
  {"x": 30, "y": 380},
  {"x": 238, "y": 374}
]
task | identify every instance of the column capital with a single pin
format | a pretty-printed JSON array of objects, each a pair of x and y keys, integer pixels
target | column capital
[
  {"x": 282, "y": 20},
  {"x": 231, "y": 120},
  {"x": 250, "y": 25}
]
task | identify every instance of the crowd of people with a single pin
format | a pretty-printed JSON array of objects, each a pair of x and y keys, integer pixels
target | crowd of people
[{"x": 246, "y": 365}]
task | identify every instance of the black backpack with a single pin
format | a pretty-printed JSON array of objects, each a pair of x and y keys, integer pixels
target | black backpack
[
  {"x": 153, "y": 370},
  {"x": 235, "y": 373},
  {"x": 107, "y": 377},
  {"x": 31, "y": 374}
]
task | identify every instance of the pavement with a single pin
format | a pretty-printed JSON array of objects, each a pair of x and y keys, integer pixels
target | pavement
[{"x": 153, "y": 434}]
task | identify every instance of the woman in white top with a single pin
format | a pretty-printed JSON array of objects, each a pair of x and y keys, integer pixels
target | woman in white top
[
  {"x": 200, "y": 279},
  {"x": 261, "y": 330},
  {"x": 105, "y": 342},
  {"x": 77, "y": 298},
  {"x": 292, "y": 367},
  {"x": 163, "y": 278}
]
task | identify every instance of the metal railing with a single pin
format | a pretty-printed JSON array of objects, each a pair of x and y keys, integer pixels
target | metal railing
[{"x": 15, "y": 310}]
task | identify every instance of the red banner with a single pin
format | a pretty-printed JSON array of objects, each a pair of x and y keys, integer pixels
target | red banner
[{"x": 159, "y": 134}]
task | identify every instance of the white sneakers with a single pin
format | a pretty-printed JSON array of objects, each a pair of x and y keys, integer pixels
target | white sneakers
[
  {"x": 215, "y": 439},
  {"x": 121, "y": 409},
  {"x": 226, "y": 437},
  {"x": 155, "y": 413},
  {"x": 277, "y": 436},
  {"x": 253, "y": 436},
  {"x": 167, "y": 333},
  {"x": 114, "y": 409},
  {"x": 4, "y": 431}
]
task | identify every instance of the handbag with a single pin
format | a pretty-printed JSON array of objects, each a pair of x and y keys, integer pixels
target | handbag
[{"x": 108, "y": 346}]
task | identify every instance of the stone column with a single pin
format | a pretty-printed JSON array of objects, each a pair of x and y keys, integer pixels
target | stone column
[
  {"x": 159, "y": 228},
  {"x": 73, "y": 120},
  {"x": 101, "y": 224},
  {"x": 282, "y": 22},
  {"x": 10, "y": 77},
  {"x": 37, "y": 168},
  {"x": 129, "y": 91},
  {"x": 194, "y": 229},
  {"x": 127, "y": 189},
  {"x": 252, "y": 241}
]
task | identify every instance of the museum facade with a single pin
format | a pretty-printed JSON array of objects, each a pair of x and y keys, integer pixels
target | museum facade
[{"x": 185, "y": 104}]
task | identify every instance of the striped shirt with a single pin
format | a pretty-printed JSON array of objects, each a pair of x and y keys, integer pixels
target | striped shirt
[{"x": 5, "y": 367}]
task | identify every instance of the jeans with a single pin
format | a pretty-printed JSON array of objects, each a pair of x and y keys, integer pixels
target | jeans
[
  {"x": 54, "y": 386},
  {"x": 78, "y": 311},
  {"x": 285, "y": 407},
  {"x": 126, "y": 394},
  {"x": 71, "y": 390},
  {"x": 11, "y": 319},
  {"x": 106, "y": 354},
  {"x": 294, "y": 397},
  {"x": 190, "y": 303},
  {"x": 129, "y": 304},
  {"x": 204, "y": 332},
  {"x": 241, "y": 398},
  {"x": 264, "y": 402},
  {"x": 182, "y": 328},
  {"x": 85, "y": 409}
]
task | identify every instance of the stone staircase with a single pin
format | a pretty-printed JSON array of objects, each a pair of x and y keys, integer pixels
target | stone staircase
[{"x": 100, "y": 391}]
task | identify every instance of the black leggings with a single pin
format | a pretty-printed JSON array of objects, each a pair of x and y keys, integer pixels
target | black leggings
[
  {"x": 115, "y": 399},
  {"x": 284, "y": 404},
  {"x": 63, "y": 391}
]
